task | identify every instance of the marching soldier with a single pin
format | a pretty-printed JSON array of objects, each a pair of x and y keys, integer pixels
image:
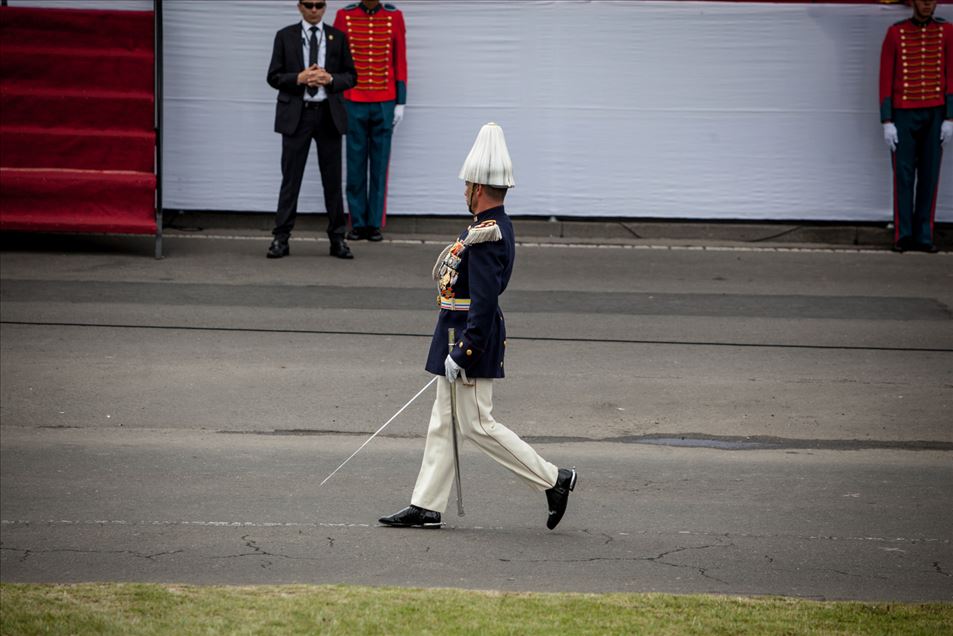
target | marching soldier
[
  {"x": 916, "y": 109},
  {"x": 471, "y": 273},
  {"x": 375, "y": 106}
]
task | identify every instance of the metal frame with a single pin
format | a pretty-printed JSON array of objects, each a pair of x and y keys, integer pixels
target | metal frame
[{"x": 157, "y": 21}]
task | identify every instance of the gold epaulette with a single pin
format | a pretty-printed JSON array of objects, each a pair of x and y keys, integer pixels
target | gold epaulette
[{"x": 483, "y": 233}]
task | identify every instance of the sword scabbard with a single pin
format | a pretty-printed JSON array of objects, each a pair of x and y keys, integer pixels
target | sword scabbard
[{"x": 454, "y": 424}]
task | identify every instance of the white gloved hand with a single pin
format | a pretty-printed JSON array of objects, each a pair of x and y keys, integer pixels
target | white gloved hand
[
  {"x": 398, "y": 114},
  {"x": 453, "y": 370},
  {"x": 890, "y": 136},
  {"x": 946, "y": 131}
]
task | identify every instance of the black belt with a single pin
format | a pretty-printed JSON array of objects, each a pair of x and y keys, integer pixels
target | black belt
[{"x": 315, "y": 104}]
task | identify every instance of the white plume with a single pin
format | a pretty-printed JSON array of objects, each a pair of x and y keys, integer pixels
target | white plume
[{"x": 489, "y": 161}]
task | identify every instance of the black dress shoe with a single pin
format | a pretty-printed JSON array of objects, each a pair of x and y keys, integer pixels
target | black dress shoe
[
  {"x": 278, "y": 248},
  {"x": 355, "y": 235},
  {"x": 340, "y": 249},
  {"x": 558, "y": 496},
  {"x": 412, "y": 517},
  {"x": 374, "y": 234},
  {"x": 902, "y": 245}
]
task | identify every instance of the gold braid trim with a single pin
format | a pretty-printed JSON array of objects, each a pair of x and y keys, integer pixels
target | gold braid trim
[{"x": 484, "y": 232}]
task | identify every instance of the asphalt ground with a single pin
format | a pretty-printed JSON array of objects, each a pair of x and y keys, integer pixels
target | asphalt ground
[{"x": 768, "y": 418}]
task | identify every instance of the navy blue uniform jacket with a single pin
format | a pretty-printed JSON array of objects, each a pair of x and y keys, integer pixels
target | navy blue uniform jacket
[{"x": 475, "y": 268}]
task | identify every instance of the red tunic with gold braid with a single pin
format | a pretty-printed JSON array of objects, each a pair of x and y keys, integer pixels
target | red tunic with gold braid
[
  {"x": 378, "y": 45},
  {"x": 916, "y": 67}
]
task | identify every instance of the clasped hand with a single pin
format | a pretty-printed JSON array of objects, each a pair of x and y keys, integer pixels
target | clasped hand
[{"x": 314, "y": 76}]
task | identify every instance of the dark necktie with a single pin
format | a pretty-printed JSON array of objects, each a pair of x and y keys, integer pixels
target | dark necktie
[{"x": 313, "y": 56}]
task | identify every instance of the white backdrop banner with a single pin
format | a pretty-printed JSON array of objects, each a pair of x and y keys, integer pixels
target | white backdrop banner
[{"x": 611, "y": 108}]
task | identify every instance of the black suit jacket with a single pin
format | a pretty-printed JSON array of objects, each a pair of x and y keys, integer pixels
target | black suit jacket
[{"x": 287, "y": 60}]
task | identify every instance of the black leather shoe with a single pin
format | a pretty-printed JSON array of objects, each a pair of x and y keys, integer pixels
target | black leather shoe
[
  {"x": 278, "y": 248},
  {"x": 558, "y": 496},
  {"x": 340, "y": 249},
  {"x": 412, "y": 517},
  {"x": 902, "y": 245},
  {"x": 374, "y": 234},
  {"x": 355, "y": 235}
]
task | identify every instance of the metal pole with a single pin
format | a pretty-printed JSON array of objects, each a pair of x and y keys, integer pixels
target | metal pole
[
  {"x": 451, "y": 339},
  {"x": 157, "y": 17}
]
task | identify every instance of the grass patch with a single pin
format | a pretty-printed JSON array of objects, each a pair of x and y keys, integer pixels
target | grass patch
[{"x": 131, "y": 609}]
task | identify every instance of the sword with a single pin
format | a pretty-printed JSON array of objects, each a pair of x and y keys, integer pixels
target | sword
[
  {"x": 434, "y": 379},
  {"x": 451, "y": 337}
]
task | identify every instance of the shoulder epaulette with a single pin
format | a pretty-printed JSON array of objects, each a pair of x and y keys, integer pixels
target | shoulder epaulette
[
  {"x": 389, "y": 7},
  {"x": 935, "y": 19},
  {"x": 351, "y": 6},
  {"x": 483, "y": 233}
]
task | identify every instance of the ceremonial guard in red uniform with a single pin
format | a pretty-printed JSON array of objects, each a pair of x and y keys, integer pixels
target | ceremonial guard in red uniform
[
  {"x": 375, "y": 106},
  {"x": 471, "y": 273},
  {"x": 916, "y": 109}
]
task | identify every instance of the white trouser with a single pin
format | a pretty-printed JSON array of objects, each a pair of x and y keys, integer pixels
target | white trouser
[{"x": 474, "y": 406}]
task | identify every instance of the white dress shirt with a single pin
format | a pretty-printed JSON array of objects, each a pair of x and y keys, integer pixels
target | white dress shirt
[{"x": 321, "y": 95}]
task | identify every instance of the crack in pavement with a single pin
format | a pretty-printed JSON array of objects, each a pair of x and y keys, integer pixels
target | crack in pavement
[
  {"x": 30, "y": 551},
  {"x": 702, "y": 571},
  {"x": 609, "y": 538},
  {"x": 257, "y": 550},
  {"x": 313, "y": 524},
  {"x": 656, "y": 559},
  {"x": 936, "y": 566},
  {"x": 850, "y": 574}
]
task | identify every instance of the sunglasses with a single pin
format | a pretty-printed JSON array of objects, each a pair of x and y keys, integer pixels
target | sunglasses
[{"x": 314, "y": 5}]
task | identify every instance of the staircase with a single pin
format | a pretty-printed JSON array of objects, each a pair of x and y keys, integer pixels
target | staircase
[{"x": 77, "y": 128}]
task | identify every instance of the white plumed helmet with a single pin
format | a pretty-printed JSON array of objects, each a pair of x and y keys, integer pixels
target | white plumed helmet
[{"x": 489, "y": 161}]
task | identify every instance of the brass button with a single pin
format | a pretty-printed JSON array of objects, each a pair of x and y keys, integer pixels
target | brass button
[{"x": 469, "y": 352}]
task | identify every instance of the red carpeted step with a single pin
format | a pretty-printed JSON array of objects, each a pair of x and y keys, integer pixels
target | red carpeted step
[
  {"x": 77, "y": 201},
  {"x": 34, "y": 147},
  {"x": 85, "y": 108},
  {"x": 77, "y": 145},
  {"x": 78, "y": 28},
  {"x": 42, "y": 66}
]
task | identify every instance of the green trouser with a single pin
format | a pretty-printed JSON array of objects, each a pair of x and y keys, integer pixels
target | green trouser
[
  {"x": 916, "y": 173},
  {"x": 369, "y": 129}
]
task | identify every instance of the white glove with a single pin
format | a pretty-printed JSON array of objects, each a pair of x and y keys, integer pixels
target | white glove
[
  {"x": 890, "y": 136},
  {"x": 453, "y": 370},
  {"x": 398, "y": 114},
  {"x": 946, "y": 131}
]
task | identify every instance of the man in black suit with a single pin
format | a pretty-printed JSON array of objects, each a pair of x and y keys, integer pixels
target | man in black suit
[{"x": 310, "y": 106}]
